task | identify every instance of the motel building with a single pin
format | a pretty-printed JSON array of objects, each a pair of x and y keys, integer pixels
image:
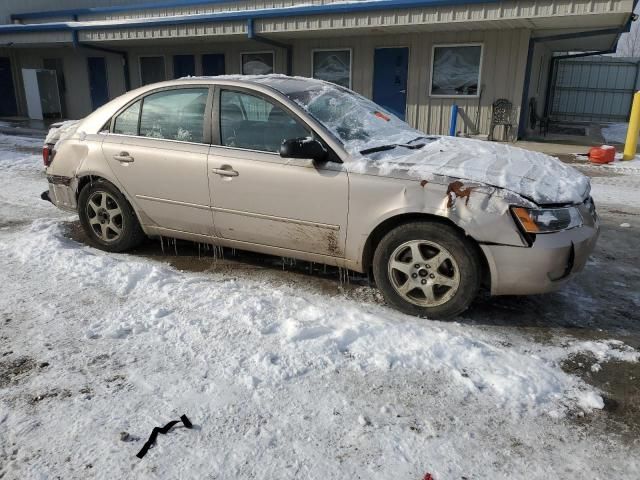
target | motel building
[{"x": 417, "y": 58}]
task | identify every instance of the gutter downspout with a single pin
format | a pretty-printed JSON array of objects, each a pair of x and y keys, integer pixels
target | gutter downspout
[
  {"x": 289, "y": 48},
  {"x": 123, "y": 55}
]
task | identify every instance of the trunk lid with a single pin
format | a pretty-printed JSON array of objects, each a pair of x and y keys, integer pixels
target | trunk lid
[{"x": 60, "y": 131}]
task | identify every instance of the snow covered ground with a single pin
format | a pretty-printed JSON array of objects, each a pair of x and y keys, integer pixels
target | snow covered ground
[
  {"x": 280, "y": 380},
  {"x": 616, "y": 183},
  {"x": 615, "y": 133}
]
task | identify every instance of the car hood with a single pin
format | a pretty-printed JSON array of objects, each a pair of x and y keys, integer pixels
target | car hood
[{"x": 535, "y": 176}]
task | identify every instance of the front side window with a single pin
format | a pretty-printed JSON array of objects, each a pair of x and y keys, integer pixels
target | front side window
[
  {"x": 257, "y": 63},
  {"x": 333, "y": 66},
  {"x": 357, "y": 122},
  {"x": 127, "y": 122},
  {"x": 251, "y": 122},
  {"x": 456, "y": 70},
  {"x": 175, "y": 114}
]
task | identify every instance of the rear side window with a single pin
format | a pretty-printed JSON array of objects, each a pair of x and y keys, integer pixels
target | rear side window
[
  {"x": 175, "y": 115},
  {"x": 250, "y": 122},
  {"x": 127, "y": 122}
]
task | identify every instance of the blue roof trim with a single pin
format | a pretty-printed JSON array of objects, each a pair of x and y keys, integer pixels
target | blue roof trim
[{"x": 333, "y": 8}]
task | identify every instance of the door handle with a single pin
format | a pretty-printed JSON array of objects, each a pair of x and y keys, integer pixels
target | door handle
[
  {"x": 123, "y": 157},
  {"x": 225, "y": 171}
]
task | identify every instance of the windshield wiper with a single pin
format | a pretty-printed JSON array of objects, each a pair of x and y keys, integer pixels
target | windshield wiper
[
  {"x": 382, "y": 148},
  {"x": 385, "y": 148}
]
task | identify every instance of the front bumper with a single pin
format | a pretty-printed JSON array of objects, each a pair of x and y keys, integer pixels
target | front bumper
[{"x": 545, "y": 266}]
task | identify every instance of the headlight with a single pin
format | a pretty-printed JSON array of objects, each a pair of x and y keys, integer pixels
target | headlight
[{"x": 547, "y": 220}]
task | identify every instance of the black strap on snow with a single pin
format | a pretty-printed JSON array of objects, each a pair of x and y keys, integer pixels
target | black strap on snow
[{"x": 163, "y": 430}]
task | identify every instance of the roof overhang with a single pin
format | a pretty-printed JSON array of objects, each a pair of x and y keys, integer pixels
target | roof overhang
[{"x": 336, "y": 16}]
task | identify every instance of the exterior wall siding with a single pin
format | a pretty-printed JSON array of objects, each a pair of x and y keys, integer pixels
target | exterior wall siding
[
  {"x": 469, "y": 12},
  {"x": 506, "y": 14},
  {"x": 76, "y": 74},
  {"x": 504, "y": 59}
]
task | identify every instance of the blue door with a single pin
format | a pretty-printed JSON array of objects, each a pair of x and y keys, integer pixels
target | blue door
[
  {"x": 184, "y": 66},
  {"x": 7, "y": 93},
  {"x": 98, "y": 81},
  {"x": 213, "y": 64},
  {"x": 390, "y": 79}
]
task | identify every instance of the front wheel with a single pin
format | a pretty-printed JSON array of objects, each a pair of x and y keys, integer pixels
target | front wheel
[
  {"x": 107, "y": 217},
  {"x": 427, "y": 269}
]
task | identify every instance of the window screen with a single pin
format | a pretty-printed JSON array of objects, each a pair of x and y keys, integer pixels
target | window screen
[
  {"x": 456, "y": 70},
  {"x": 333, "y": 66},
  {"x": 127, "y": 122},
  {"x": 257, "y": 63},
  {"x": 175, "y": 115},
  {"x": 250, "y": 122}
]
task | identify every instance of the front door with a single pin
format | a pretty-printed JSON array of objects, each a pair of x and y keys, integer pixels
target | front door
[
  {"x": 7, "y": 93},
  {"x": 259, "y": 197},
  {"x": 158, "y": 150},
  {"x": 213, "y": 64},
  {"x": 57, "y": 65},
  {"x": 184, "y": 66},
  {"x": 98, "y": 81},
  {"x": 390, "y": 79}
]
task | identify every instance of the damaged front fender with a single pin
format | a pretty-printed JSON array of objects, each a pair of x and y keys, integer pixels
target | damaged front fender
[{"x": 481, "y": 211}]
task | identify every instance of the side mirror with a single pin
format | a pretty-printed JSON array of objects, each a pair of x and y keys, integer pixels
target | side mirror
[{"x": 303, "y": 148}]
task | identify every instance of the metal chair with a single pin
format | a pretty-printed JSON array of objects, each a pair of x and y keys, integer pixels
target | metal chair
[
  {"x": 536, "y": 120},
  {"x": 502, "y": 113}
]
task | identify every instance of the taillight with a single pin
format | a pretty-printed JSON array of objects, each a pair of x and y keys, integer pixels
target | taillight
[{"x": 47, "y": 155}]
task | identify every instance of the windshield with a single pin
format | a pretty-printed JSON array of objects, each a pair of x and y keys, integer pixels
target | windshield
[{"x": 359, "y": 123}]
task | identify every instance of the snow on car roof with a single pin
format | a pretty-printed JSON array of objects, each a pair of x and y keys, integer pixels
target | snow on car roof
[{"x": 278, "y": 81}]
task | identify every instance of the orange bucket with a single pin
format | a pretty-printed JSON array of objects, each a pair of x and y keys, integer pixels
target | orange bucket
[{"x": 604, "y": 154}]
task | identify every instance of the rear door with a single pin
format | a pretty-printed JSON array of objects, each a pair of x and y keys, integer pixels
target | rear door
[
  {"x": 158, "y": 150},
  {"x": 259, "y": 197}
]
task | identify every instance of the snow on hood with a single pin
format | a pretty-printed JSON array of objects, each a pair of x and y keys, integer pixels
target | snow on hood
[
  {"x": 61, "y": 131},
  {"x": 536, "y": 176}
]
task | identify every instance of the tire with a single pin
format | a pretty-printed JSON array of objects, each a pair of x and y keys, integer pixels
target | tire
[
  {"x": 108, "y": 218},
  {"x": 441, "y": 283}
]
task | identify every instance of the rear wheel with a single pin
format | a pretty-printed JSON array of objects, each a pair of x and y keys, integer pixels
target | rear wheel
[
  {"x": 108, "y": 218},
  {"x": 427, "y": 269}
]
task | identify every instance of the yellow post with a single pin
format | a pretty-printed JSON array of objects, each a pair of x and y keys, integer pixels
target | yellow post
[{"x": 631, "y": 145}]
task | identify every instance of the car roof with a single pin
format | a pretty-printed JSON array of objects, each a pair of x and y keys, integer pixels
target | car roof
[{"x": 282, "y": 83}]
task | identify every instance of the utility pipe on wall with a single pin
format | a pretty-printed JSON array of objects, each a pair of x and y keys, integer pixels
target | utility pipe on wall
[{"x": 454, "y": 120}]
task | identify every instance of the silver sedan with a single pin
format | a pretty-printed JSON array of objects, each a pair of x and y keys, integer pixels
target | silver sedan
[{"x": 302, "y": 168}]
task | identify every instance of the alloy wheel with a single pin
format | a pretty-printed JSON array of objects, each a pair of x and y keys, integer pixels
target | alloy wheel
[
  {"x": 424, "y": 273},
  {"x": 105, "y": 216}
]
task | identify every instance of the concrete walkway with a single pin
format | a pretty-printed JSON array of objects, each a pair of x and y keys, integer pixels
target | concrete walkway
[{"x": 553, "y": 148}]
